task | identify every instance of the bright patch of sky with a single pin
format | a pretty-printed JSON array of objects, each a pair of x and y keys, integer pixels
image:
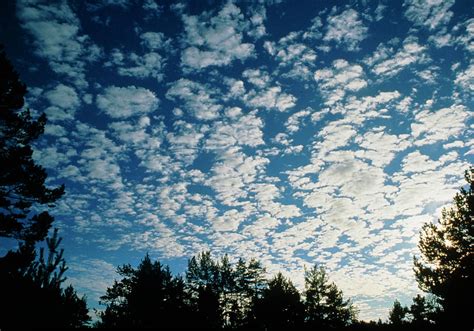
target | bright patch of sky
[{"x": 294, "y": 132}]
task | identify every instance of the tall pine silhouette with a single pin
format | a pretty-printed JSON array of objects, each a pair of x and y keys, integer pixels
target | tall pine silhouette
[
  {"x": 146, "y": 297},
  {"x": 446, "y": 266},
  {"x": 30, "y": 285},
  {"x": 325, "y": 306},
  {"x": 22, "y": 181}
]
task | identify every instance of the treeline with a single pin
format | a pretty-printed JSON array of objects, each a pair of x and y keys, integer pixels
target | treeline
[{"x": 213, "y": 293}]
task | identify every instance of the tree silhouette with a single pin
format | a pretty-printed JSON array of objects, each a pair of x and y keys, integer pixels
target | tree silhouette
[
  {"x": 34, "y": 294},
  {"x": 397, "y": 316},
  {"x": 325, "y": 306},
  {"x": 148, "y": 296},
  {"x": 423, "y": 311},
  {"x": 445, "y": 268},
  {"x": 204, "y": 284},
  {"x": 280, "y": 306},
  {"x": 21, "y": 180},
  {"x": 250, "y": 283},
  {"x": 30, "y": 286}
]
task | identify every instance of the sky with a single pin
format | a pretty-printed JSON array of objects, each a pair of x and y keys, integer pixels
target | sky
[{"x": 296, "y": 133}]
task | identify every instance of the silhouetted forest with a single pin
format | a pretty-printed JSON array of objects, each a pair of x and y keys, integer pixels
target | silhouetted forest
[{"x": 213, "y": 292}]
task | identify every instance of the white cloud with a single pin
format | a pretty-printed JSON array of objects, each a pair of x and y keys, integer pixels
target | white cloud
[
  {"x": 102, "y": 169},
  {"x": 257, "y": 20},
  {"x": 380, "y": 147},
  {"x": 261, "y": 227},
  {"x": 270, "y": 98},
  {"x": 466, "y": 40},
  {"x": 295, "y": 59},
  {"x": 425, "y": 182},
  {"x": 245, "y": 130},
  {"x": 184, "y": 141},
  {"x": 54, "y": 130},
  {"x": 232, "y": 173},
  {"x": 139, "y": 66},
  {"x": 56, "y": 32},
  {"x": 333, "y": 136},
  {"x": 215, "y": 41},
  {"x": 162, "y": 239},
  {"x": 197, "y": 98},
  {"x": 432, "y": 126},
  {"x": 152, "y": 9},
  {"x": 388, "y": 64},
  {"x": 341, "y": 78},
  {"x": 236, "y": 88},
  {"x": 346, "y": 29},
  {"x": 128, "y": 133},
  {"x": 294, "y": 121},
  {"x": 228, "y": 221},
  {"x": 101, "y": 4},
  {"x": 63, "y": 96},
  {"x": 125, "y": 102},
  {"x": 441, "y": 39},
  {"x": 98, "y": 157},
  {"x": 64, "y": 102},
  {"x": 257, "y": 77},
  {"x": 430, "y": 14},
  {"x": 298, "y": 52},
  {"x": 50, "y": 157},
  {"x": 155, "y": 40},
  {"x": 465, "y": 79}
]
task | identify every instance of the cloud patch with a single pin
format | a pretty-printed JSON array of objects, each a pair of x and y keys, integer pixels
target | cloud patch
[
  {"x": 125, "y": 102},
  {"x": 215, "y": 41},
  {"x": 346, "y": 30}
]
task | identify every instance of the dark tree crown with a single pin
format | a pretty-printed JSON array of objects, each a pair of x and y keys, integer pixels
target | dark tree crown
[{"x": 22, "y": 181}]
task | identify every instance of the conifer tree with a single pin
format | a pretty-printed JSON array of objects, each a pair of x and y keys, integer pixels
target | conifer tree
[
  {"x": 422, "y": 311},
  {"x": 146, "y": 297},
  {"x": 446, "y": 266},
  {"x": 34, "y": 295},
  {"x": 22, "y": 181},
  {"x": 202, "y": 284},
  {"x": 280, "y": 306},
  {"x": 324, "y": 304},
  {"x": 30, "y": 286},
  {"x": 397, "y": 315}
]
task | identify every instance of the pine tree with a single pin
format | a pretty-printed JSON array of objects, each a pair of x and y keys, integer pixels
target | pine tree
[
  {"x": 30, "y": 286},
  {"x": 324, "y": 304},
  {"x": 227, "y": 288},
  {"x": 280, "y": 306},
  {"x": 250, "y": 283},
  {"x": 148, "y": 296},
  {"x": 22, "y": 182},
  {"x": 446, "y": 266},
  {"x": 34, "y": 294},
  {"x": 397, "y": 315},
  {"x": 422, "y": 311},
  {"x": 202, "y": 284}
]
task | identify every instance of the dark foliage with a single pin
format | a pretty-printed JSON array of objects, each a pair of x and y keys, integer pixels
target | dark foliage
[
  {"x": 148, "y": 296},
  {"x": 280, "y": 306},
  {"x": 446, "y": 267},
  {"x": 30, "y": 285},
  {"x": 397, "y": 315},
  {"x": 32, "y": 293},
  {"x": 21, "y": 180},
  {"x": 324, "y": 305},
  {"x": 217, "y": 294}
]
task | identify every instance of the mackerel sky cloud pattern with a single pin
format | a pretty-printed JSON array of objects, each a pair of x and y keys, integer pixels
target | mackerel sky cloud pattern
[{"x": 293, "y": 132}]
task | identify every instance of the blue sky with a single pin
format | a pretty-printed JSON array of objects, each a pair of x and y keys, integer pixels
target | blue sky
[{"x": 294, "y": 132}]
